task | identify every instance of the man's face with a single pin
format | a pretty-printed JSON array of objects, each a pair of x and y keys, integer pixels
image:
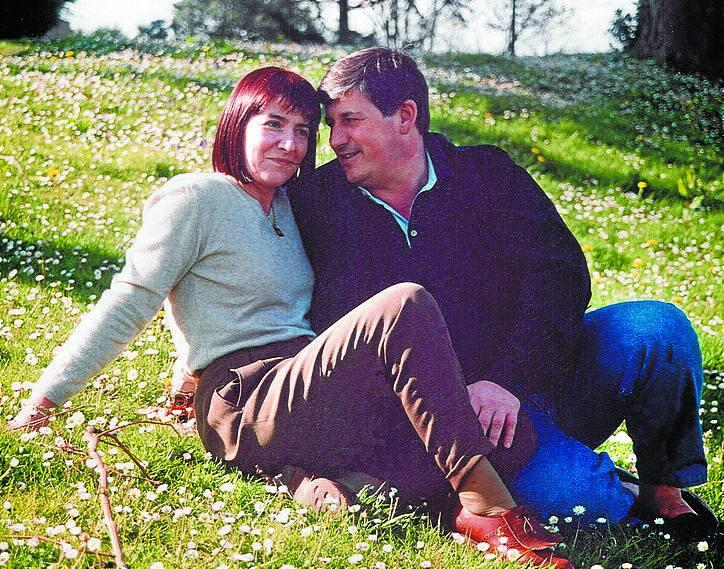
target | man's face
[{"x": 363, "y": 140}]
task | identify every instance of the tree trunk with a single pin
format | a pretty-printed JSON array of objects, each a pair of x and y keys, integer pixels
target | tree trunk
[
  {"x": 513, "y": 33},
  {"x": 684, "y": 34},
  {"x": 394, "y": 30},
  {"x": 343, "y": 34}
]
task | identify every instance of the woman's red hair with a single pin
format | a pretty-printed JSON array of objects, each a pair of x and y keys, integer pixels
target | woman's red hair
[{"x": 254, "y": 92}]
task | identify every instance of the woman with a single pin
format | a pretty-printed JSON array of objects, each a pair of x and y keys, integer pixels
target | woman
[{"x": 223, "y": 253}]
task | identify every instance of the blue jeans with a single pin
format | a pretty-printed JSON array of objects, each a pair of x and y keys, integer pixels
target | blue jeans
[{"x": 642, "y": 364}]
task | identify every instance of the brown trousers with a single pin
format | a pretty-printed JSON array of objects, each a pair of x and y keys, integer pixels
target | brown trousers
[{"x": 381, "y": 391}]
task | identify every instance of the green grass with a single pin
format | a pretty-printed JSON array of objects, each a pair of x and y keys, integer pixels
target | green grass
[{"x": 629, "y": 153}]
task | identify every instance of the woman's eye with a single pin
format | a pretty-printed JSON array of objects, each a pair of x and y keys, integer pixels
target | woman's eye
[
  {"x": 273, "y": 124},
  {"x": 303, "y": 132}
]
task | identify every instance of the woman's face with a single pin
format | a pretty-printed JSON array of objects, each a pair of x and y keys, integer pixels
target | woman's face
[{"x": 275, "y": 143}]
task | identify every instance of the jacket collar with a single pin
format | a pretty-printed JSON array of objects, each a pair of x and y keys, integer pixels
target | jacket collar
[{"x": 438, "y": 146}]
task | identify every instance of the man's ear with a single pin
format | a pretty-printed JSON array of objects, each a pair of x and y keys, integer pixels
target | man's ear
[{"x": 408, "y": 116}]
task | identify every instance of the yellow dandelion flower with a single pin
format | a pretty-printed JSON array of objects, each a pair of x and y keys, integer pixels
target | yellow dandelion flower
[
  {"x": 69, "y": 53},
  {"x": 638, "y": 263},
  {"x": 488, "y": 115},
  {"x": 677, "y": 298},
  {"x": 53, "y": 172},
  {"x": 641, "y": 185},
  {"x": 535, "y": 150},
  {"x": 586, "y": 248},
  {"x": 540, "y": 158},
  {"x": 652, "y": 242}
]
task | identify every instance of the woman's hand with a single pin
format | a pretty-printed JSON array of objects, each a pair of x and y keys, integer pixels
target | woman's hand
[{"x": 33, "y": 416}]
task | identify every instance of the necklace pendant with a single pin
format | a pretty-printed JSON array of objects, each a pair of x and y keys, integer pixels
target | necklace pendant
[{"x": 278, "y": 231}]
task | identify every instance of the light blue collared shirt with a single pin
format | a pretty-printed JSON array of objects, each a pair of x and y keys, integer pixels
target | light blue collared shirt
[{"x": 399, "y": 218}]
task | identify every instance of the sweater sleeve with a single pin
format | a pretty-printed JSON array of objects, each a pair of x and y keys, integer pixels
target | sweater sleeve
[
  {"x": 166, "y": 246},
  {"x": 538, "y": 355}
]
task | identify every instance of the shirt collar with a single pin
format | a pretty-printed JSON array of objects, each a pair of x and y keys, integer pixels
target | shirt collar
[{"x": 431, "y": 180}]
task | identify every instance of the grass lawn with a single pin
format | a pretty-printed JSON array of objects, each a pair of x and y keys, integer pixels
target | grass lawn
[{"x": 630, "y": 154}]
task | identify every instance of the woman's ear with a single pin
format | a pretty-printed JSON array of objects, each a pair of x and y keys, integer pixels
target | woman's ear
[{"x": 408, "y": 116}]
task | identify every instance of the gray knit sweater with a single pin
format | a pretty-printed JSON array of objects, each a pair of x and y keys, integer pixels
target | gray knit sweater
[{"x": 207, "y": 250}]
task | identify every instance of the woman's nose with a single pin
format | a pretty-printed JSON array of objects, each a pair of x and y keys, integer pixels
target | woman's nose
[{"x": 288, "y": 142}]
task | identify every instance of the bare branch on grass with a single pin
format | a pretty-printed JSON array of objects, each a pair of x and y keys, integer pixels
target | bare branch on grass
[
  {"x": 55, "y": 542},
  {"x": 92, "y": 437}
]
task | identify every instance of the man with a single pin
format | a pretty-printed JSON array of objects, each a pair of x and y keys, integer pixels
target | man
[{"x": 402, "y": 204}]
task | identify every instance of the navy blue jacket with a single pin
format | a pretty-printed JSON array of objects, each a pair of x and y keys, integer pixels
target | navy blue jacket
[{"x": 509, "y": 276}]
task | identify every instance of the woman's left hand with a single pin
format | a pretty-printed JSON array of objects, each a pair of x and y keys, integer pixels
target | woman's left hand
[{"x": 33, "y": 417}]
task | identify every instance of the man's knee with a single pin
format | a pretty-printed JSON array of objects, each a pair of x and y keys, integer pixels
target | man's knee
[
  {"x": 648, "y": 326},
  {"x": 656, "y": 319}
]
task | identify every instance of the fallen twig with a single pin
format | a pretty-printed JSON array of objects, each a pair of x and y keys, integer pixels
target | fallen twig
[
  {"x": 52, "y": 542},
  {"x": 132, "y": 423},
  {"x": 124, "y": 448},
  {"x": 92, "y": 436}
]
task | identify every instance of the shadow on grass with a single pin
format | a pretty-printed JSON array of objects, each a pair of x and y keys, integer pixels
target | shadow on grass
[
  {"x": 463, "y": 131},
  {"x": 563, "y": 166},
  {"x": 58, "y": 261}
]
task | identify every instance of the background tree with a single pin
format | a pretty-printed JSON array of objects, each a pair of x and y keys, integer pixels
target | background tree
[
  {"x": 344, "y": 33},
  {"x": 516, "y": 17},
  {"x": 295, "y": 20},
  {"x": 156, "y": 30},
  {"x": 684, "y": 34},
  {"x": 623, "y": 29},
  {"x": 29, "y": 18},
  {"x": 412, "y": 22}
]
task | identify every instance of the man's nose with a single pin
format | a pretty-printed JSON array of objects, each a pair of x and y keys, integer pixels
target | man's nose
[{"x": 337, "y": 137}]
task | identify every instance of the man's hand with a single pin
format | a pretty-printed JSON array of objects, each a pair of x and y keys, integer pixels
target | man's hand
[
  {"x": 33, "y": 417},
  {"x": 497, "y": 409}
]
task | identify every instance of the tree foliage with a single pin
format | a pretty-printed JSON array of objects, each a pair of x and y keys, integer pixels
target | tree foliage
[
  {"x": 295, "y": 20},
  {"x": 29, "y": 18},
  {"x": 519, "y": 17},
  {"x": 155, "y": 31},
  {"x": 623, "y": 29}
]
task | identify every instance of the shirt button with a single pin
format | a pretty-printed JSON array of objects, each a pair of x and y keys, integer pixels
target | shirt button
[{"x": 413, "y": 233}]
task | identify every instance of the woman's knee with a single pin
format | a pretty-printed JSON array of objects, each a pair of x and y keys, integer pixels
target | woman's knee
[{"x": 411, "y": 298}]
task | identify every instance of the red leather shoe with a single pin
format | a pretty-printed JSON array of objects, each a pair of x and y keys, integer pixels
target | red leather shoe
[{"x": 514, "y": 535}]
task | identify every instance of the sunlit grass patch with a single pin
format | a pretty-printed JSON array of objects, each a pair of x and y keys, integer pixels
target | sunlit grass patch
[{"x": 92, "y": 125}]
